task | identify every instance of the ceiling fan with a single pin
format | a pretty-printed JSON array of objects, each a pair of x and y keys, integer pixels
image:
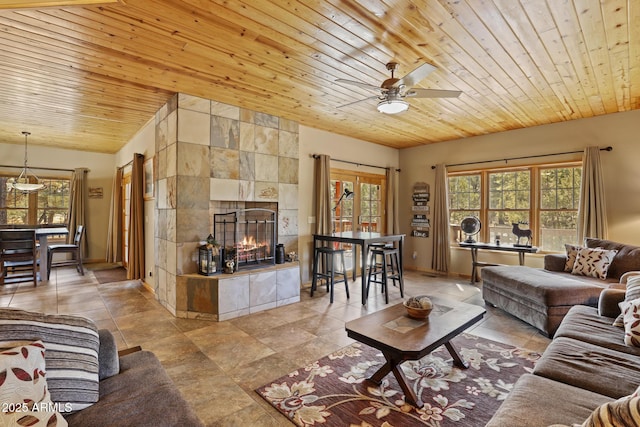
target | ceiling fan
[{"x": 393, "y": 91}]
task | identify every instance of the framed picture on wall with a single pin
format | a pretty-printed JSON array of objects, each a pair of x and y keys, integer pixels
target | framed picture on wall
[{"x": 148, "y": 179}]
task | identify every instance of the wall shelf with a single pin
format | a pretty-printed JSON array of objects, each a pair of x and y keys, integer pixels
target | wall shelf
[{"x": 420, "y": 222}]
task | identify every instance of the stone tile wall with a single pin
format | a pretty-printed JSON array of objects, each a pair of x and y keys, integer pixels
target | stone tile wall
[{"x": 209, "y": 152}]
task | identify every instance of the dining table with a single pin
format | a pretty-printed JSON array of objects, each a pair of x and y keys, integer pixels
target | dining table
[
  {"x": 43, "y": 234},
  {"x": 362, "y": 239}
]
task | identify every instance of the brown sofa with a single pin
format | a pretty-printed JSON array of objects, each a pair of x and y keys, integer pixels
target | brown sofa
[
  {"x": 542, "y": 297},
  {"x": 586, "y": 365}
]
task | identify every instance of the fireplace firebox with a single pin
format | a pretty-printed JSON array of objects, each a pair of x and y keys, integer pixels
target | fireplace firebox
[{"x": 247, "y": 237}]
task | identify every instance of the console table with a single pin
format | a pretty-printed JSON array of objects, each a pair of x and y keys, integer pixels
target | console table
[{"x": 521, "y": 250}]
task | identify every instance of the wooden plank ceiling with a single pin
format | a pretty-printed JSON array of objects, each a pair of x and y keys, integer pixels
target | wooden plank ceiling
[{"x": 89, "y": 77}]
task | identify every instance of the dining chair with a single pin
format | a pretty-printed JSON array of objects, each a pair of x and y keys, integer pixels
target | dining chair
[
  {"x": 75, "y": 249},
  {"x": 18, "y": 252}
]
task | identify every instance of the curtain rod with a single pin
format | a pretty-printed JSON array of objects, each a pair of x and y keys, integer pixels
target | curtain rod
[
  {"x": 36, "y": 167},
  {"x": 315, "y": 156},
  {"x": 523, "y": 157}
]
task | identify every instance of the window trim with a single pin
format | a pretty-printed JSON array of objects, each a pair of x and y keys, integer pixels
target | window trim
[{"x": 534, "y": 210}]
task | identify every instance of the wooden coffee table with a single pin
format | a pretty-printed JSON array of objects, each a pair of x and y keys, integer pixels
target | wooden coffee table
[{"x": 402, "y": 338}]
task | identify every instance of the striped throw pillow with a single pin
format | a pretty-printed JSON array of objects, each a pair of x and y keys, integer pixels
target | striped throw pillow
[
  {"x": 632, "y": 293},
  {"x": 72, "y": 352},
  {"x": 622, "y": 412}
]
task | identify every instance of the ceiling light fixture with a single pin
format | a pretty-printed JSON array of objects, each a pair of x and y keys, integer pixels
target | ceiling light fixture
[
  {"x": 23, "y": 183},
  {"x": 392, "y": 106}
]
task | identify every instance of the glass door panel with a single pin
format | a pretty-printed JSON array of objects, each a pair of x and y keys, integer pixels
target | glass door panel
[{"x": 126, "y": 203}]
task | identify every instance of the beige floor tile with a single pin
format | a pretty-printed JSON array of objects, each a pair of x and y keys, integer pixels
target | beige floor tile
[
  {"x": 285, "y": 336},
  {"x": 231, "y": 354}
]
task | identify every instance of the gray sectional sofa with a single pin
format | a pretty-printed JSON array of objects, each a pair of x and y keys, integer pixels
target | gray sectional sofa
[
  {"x": 88, "y": 382},
  {"x": 586, "y": 365},
  {"x": 542, "y": 297}
]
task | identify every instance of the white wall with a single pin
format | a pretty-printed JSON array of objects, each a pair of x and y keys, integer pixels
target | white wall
[
  {"x": 144, "y": 143},
  {"x": 620, "y": 170},
  {"x": 101, "y": 167},
  {"x": 314, "y": 141}
]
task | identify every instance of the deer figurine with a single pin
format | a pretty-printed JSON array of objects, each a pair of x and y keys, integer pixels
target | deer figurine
[{"x": 521, "y": 233}]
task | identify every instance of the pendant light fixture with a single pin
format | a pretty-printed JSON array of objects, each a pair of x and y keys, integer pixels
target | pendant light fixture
[{"x": 23, "y": 182}]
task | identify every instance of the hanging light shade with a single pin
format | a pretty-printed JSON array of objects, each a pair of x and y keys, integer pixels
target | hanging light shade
[{"x": 24, "y": 182}]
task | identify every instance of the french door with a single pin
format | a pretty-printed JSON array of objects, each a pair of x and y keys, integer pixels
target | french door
[{"x": 364, "y": 210}]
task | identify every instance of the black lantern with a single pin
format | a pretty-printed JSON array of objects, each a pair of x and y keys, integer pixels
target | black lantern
[{"x": 208, "y": 260}]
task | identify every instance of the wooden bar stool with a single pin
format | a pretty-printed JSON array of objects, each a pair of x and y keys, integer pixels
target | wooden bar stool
[
  {"x": 377, "y": 262},
  {"x": 385, "y": 262},
  {"x": 327, "y": 271}
]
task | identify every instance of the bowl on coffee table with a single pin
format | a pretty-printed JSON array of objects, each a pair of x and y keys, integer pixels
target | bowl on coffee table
[{"x": 418, "y": 307}]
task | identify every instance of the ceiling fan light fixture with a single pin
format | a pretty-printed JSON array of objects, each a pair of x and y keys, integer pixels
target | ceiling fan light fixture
[{"x": 392, "y": 106}]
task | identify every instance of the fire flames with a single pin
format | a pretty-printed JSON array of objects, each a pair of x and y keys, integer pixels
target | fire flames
[{"x": 251, "y": 250}]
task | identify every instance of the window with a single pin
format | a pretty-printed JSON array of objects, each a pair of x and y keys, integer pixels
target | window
[
  {"x": 509, "y": 203},
  {"x": 45, "y": 207},
  {"x": 371, "y": 203},
  {"x": 464, "y": 197},
  {"x": 559, "y": 198},
  {"x": 541, "y": 198}
]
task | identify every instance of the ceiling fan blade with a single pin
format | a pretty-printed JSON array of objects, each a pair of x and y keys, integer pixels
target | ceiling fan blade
[
  {"x": 358, "y": 101},
  {"x": 432, "y": 93},
  {"x": 354, "y": 83},
  {"x": 416, "y": 76}
]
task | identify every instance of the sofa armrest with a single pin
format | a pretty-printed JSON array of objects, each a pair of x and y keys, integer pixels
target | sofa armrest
[
  {"x": 555, "y": 262},
  {"x": 625, "y": 276},
  {"x": 108, "y": 360},
  {"x": 129, "y": 350},
  {"x": 608, "y": 302}
]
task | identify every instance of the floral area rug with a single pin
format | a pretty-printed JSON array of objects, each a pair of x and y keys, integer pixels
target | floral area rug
[{"x": 334, "y": 391}]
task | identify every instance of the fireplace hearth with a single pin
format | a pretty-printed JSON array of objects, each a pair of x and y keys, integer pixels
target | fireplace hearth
[{"x": 247, "y": 237}]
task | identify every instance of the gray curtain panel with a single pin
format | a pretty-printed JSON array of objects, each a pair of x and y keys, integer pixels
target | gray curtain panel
[
  {"x": 592, "y": 212},
  {"x": 136, "y": 218},
  {"x": 79, "y": 194},
  {"x": 441, "y": 258}
]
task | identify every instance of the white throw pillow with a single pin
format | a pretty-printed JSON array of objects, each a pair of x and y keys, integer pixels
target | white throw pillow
[
  {"x": 631, "y": 316},
  {"x": 24, "y": 397},
  {"x": 572, "y": 253},
  {"x": 593, "y": 262}
]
